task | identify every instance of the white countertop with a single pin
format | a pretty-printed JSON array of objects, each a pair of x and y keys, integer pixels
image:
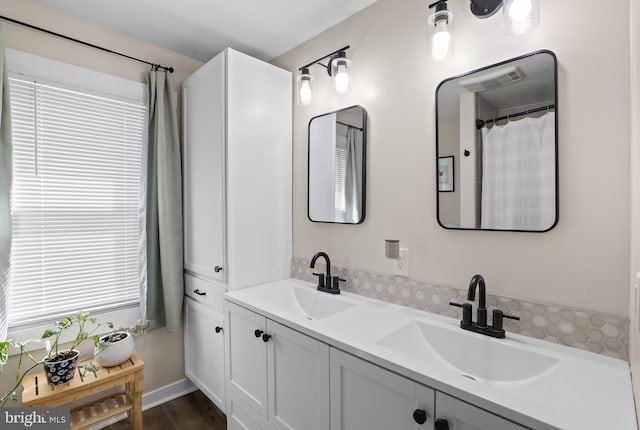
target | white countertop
[{"x": 581, "y": 391}]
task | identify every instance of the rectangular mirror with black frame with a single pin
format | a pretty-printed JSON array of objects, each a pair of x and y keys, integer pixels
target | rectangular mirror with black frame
[
  {"x": 498, "y": 126},
  {"x": 337, "y": 166}
]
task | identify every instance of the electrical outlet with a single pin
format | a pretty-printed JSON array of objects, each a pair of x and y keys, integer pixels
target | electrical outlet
[{"x": 401, "y": 266}]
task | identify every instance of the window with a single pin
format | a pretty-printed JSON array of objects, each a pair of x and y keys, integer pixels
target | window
[
  {"x": 75, "y": 198},
  {"x": 340, "y": 202}
]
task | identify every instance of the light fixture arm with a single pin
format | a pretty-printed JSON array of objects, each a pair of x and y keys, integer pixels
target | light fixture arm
[{"x": 331, "y": 56}]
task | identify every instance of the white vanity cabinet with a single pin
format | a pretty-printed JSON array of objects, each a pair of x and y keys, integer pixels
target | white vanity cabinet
[
  {"x": 204, "y": 356},
  {"x": 463, "y": 416},
  {"x": 277, "y": 378},
  {"x": 367, "y": 397}
]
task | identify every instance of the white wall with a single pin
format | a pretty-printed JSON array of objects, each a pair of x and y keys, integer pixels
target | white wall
[
  {"x": 584, "y": 261},
  {"x": 161, "y": 351}
]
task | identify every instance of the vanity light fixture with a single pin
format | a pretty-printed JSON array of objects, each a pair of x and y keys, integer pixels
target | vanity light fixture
[
  {"x": 305, "y": 87},
  {"x": 440, "y": 31},
  {"x": 338, "y": 67},
  {"x": 519, "y": 17}
]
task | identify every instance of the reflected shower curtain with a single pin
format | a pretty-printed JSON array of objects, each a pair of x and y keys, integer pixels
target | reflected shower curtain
[
  {"x": 353, "y": 176},
  {"x": 518, "y": 184},
  {"x": 165, "y": 284},
  {"x": 6, "y": 171}
]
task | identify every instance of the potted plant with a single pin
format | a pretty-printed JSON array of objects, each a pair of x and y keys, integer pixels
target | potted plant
[
  {"x": 116, "y": 347},
  {"x": 59, "y": 365}
]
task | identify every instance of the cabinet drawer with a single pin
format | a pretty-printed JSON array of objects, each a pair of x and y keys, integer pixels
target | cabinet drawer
[{"x": 203, "y": 292}]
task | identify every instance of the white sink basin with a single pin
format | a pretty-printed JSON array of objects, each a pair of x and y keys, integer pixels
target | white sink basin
[
  {"x": 474, "y": 355},
  {"x": 317, "y": 305}
]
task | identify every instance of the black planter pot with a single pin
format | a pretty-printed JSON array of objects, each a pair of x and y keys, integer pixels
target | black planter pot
[{"x": 61, "y": 371}]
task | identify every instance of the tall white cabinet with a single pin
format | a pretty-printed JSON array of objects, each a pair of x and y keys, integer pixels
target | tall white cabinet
[{"x": 237, "y": 114}]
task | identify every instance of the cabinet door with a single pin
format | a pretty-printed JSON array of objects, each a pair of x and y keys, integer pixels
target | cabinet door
[
  {"x": 367, "y": 397},
  {"x": 239, "y": 418},
  {"x": 463, "y": 416},
  {"x": 247, "y": 358},
  {"x": 204, "y": 351},
  {"x": 204, "y": 170},
  {"x": 298, "y": 380}
]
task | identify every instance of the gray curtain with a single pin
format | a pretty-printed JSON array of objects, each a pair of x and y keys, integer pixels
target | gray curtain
[
  {"x": 165, "y": 282},
  {"x": 353, "y": 176},
  {"x": 5, "y": 188}
]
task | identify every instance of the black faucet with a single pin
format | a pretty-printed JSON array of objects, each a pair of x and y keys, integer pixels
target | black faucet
[
  {"x": 478, "y": 281},
  {"x": 326, "y": 283},
  {"x": 480, "y": 326}
]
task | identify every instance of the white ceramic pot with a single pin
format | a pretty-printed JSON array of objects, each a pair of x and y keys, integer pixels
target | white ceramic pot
[{"x": 112, "y": 353}]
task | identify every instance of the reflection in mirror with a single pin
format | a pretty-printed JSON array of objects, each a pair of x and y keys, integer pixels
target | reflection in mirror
[
  {"x": 337, "y": 166},
  {"x": 499, "y": 126}
]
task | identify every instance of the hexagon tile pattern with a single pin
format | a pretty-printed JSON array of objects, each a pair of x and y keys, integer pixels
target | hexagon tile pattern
[{"x": 599, "y": 333}]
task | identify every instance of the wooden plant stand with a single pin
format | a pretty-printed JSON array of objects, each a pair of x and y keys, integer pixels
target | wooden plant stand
[{"x": 37, "y": 393}]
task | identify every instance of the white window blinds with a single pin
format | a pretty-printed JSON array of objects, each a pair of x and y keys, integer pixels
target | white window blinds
[{"x": 76, "y": 184}]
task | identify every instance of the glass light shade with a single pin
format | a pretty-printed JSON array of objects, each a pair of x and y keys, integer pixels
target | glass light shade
[
  {"x": 440, "y": 35},
  {"x": 304, "y": 86},
  {"x": 341, "y": 73},
  {"x": 520, "y": 16}
]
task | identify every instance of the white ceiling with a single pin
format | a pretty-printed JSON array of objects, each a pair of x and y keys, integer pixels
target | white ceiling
[{"x": 202, "y": 28}]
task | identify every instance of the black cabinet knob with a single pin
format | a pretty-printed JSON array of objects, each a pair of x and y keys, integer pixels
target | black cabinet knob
[
  {"x": 217, "y": 269},
  {"x": 218, "y": 329},
  {"x": 442, "y": 424},
  {"x": 200, "y": 293},
  {"x": 258, "y": 333},
  {"x": 420, "y": 416},
  {"x": 266, "y": 337}
]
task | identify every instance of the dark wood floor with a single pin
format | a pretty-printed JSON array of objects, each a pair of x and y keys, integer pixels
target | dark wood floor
[{"x": 191, "y": 412}]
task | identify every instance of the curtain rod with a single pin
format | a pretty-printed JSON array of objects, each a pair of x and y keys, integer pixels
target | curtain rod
[
  {"x": 349, "y": 125},
  {"x": 481, "y": 122},
  {"x": 82, "y": 42}
]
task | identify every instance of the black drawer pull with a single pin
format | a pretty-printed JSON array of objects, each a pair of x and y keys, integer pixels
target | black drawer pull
[
  {"x": 218, "y": 329},
  {"x": 200, "y": 293}
]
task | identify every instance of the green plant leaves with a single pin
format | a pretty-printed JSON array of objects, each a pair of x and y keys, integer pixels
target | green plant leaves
[
  {"x": 48, "y": 333},
  {"x": 4, "y": 351}
]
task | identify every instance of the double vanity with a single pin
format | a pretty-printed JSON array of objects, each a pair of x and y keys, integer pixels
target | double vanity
[{"x": 298, "y": 358}]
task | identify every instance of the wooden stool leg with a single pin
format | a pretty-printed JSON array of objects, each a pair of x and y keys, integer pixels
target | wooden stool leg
[
  {"x": 130, "y": 389},
  {"x": 135, "y": 389}
]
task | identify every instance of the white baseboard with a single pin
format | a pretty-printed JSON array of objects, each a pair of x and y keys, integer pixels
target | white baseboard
[
  {"x": 154, "y": 398},
  {"x": 167, "y": 393}
]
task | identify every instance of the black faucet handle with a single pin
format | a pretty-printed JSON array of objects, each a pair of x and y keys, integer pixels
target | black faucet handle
[
  {"x": 321, "y": 281},
  {"x": 498, "y": 317},
  {"x": 335, "y": 282},
  {"x": 466, "y": 312}
]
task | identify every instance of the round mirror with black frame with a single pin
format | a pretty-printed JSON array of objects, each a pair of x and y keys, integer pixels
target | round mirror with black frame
[
  {"x": 497, "y": 141},
  {"x": 337, "y": 166}
]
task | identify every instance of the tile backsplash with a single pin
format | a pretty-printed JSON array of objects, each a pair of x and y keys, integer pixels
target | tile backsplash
[{"x": 590, "y": 331}]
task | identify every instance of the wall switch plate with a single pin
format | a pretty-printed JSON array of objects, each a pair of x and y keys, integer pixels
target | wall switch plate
[{"x": 401, "y": 266}]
